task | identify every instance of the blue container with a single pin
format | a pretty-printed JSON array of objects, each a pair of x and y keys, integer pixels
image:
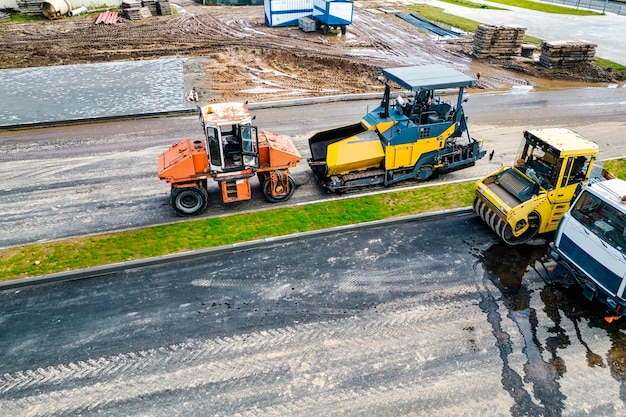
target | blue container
[
  {"x": 286, "y": 12},
  {"x": 333, "y": 12}
]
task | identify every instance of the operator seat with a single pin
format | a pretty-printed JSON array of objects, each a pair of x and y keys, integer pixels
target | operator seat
[{"x": 443, "y": 113}]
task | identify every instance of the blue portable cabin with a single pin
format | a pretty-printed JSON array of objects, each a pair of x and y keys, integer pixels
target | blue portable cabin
[
  {"x": 333, "y": 14},
  {"x": 286, "y": 12}
]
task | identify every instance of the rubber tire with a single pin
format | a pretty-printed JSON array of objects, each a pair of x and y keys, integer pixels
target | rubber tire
[
  {"x": 189, "y": 201},
  {"x": 343, "y": 30},
  {"x": 268, "y": 195}
]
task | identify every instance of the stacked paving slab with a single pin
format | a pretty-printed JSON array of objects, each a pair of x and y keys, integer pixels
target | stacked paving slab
[
  {"x": 567, "y": 54},
  {"x": 163, "y": 7},
  {"x": 136, "y": 10},
  {"x": 30, "y": 7},
  {"x": 498, "y": 41},
  {"x": 151, "y": 5},
  {"x": 131, "y": 10}
]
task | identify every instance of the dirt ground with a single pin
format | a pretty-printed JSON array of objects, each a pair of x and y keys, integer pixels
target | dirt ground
[{"x": 239, "y": 57}]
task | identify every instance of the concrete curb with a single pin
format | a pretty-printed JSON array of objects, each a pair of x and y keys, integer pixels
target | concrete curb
[
  {"x": 190, "y": 111},
  {"x": 117, "y": 267}
]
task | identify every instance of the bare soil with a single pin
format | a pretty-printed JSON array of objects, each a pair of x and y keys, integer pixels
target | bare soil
[{"x": 239, "y": 57}]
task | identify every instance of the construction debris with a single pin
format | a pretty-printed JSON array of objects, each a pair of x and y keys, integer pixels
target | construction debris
[
  {"x": 107, "y": 18},
  {"x": 498, "y": 41},
  {"x": 567, "y": 54}
]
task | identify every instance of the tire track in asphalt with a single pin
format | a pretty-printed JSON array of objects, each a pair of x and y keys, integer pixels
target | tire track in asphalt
[{"x": 245, "y": 359}]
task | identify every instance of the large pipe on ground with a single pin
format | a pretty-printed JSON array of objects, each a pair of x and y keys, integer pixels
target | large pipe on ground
[{"x": 53, "y": 9}]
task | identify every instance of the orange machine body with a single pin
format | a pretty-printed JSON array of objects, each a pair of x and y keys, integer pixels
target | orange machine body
[{"x": 231, "y": 153}]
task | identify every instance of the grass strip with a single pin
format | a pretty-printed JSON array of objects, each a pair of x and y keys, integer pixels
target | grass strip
[
  {"x": 85, "y": 252},
  {"x": 530, "y": 5}
]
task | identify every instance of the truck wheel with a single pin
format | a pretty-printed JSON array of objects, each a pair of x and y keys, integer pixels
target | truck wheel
[
  {"x": 343, "y": 30},
  {"x": 267, "y": 185},
  {"x": 326, "y": 29},
  {"x": 189, "y": 201}
]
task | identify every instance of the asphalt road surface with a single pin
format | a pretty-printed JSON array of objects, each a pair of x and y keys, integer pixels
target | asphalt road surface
[
  {"x": 68, "y": 181},
  {"x": 429, "y": 318}
]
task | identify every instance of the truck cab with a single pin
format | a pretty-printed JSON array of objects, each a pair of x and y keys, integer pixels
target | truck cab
[{"x": 590, "y": 243}]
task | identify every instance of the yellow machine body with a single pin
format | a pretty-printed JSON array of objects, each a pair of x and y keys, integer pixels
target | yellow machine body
[
  {"x": 418, "y": 133},
  {"x": 355, "y": 153},
  {"x": 530, "y": 198}
]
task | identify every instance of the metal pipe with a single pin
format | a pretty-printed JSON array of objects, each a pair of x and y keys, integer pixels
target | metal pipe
[{"x": 76, "y": 12}]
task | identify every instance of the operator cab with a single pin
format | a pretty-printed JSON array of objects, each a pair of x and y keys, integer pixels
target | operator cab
[
  {"x": 545, "y": 164},
  {"x": 232, "y": 144}
]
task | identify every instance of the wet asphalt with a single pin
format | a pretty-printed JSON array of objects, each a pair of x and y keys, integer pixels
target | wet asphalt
[{"x": 421, "y": 318}]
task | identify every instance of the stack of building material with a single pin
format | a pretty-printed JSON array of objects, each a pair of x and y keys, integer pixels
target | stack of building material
[
  {"x": 498, "y": 41},
  {"x": 163, "y": 8},
  {"x": 306, "y": 24},
  {"x": 107, "y": 18},
  {"x": 151, "y": 5},
  {"x": 4, "y": 16},
  {"x": 131, "y": 9},
  {"x": 29, "y": 7},
  {"x": 567, "y": 54},
  {"x": 145, "y": 12}
]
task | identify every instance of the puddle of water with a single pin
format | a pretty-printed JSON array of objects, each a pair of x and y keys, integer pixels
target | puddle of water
[{"x": 554, "y": 322}]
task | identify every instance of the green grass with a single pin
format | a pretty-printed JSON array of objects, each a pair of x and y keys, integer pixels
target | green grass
[
  {"x": 606, "y": 64},
  {"x": 84, "y": 252},
  {"x": 546, "y": 8},
  {"x": 437, "y": 14},
  {"x": 22, "y": 18},
  {"x": 473, "y": 5},
  {"x": 617, "y": 167}
]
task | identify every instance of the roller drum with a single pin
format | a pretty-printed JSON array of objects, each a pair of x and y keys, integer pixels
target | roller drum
[{"x": 499, "y": 225}]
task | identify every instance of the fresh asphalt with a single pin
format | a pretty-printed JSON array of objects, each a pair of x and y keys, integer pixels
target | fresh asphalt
[{"x": 85, "y": 98}]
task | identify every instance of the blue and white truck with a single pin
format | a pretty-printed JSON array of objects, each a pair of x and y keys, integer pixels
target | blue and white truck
[
  {"x": 332, "y": 14},
  {"x": 589, "y": 246}
]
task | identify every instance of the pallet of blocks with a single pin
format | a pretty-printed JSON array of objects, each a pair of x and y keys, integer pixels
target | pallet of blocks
[
  {"x": 150, "y": 5},
  {"x": 498, "y": 41},
  {"x": 306, "y": 24},
  {"x": 163, "y": 8},
  {"x": 29, "y": 7},
  {"x": 566, "y": 54},
  {"x": 131, "y": 10}
]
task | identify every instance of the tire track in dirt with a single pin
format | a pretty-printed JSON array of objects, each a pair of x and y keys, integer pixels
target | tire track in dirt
[{"x": 232, "y": 38}]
